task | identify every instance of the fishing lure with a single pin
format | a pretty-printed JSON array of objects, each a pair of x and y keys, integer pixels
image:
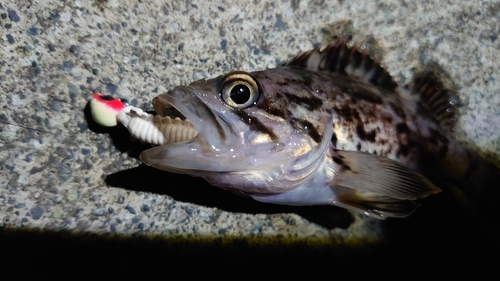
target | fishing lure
[{"x": 154, "y": 129}]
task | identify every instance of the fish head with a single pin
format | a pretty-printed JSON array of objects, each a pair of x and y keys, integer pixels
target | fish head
[{"x": 251, "y": 137}]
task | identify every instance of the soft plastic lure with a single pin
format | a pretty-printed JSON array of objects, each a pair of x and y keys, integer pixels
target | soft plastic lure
[{"x": 154, "y": 129}]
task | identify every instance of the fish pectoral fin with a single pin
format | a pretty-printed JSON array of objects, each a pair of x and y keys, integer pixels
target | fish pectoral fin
[
  {"x": 372, "y": 173},
  {"x": 378, "y": 184},
  {"x": 373, "y": 205}
]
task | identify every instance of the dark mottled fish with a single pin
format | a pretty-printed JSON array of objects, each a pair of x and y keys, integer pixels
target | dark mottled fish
[{"x": 331, "y": 127}]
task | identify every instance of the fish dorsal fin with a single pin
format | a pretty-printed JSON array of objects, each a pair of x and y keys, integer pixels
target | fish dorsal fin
[
  {"x": 435, "y": 98},
  {"x": 338, "y": 57}
]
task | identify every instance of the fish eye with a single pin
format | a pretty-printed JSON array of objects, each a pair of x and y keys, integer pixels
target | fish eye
[{"x": 240, "y": 90}]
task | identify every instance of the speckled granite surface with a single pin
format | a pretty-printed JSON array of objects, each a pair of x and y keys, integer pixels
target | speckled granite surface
[{"x": 60, "y": 173}]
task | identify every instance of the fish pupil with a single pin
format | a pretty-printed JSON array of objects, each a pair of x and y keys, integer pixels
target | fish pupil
[{"x": 240, "y": 94}]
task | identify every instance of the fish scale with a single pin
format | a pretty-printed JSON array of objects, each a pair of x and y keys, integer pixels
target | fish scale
[{"x": 364, "y": 122}]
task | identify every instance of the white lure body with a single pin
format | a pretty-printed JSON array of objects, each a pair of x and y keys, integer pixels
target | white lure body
[{"x": 155, "y": 129}]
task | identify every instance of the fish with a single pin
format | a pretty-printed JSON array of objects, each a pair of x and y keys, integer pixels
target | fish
[{"x": 331, "y": 127}]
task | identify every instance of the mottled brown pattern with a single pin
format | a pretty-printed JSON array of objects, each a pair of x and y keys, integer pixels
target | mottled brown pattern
[
  {"x": 367, "y": 136},
  {"x": 256, "y": 125},
  {"x": 441, "y": 141},
  {"x": 309, "y": 102},
  {"x": 352, "y": 88},
  {"x": 403, "y": 150},
  {"x": 312, "y": 131},
  {"x": 402, "y": 128},
  {"x": 338, "y": 159},
  {"x": 267, "y": 103},
  {"x": 397, "y": 110},
  {"x": 334, "y": 140},
  {"x": 337, "y": 58},
  {"x": 348, "y": 113}
]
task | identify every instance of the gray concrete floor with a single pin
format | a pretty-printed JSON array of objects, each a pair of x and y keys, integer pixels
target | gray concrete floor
[{"x": 58, "y": 173}]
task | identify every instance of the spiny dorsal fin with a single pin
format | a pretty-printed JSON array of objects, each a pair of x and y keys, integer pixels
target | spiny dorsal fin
[
  {"x": 436, "y": 99},
  {"x": 339, "y": 58}
]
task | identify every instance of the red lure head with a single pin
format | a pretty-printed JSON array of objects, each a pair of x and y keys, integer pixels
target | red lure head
[{"x": 104, "y": 109}]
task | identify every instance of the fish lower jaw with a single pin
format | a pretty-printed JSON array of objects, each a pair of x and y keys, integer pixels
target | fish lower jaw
[{"x": 156, "y": 129}]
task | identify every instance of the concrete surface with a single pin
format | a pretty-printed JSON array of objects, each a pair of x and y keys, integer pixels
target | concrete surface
[{"x": 60, "y": 174}]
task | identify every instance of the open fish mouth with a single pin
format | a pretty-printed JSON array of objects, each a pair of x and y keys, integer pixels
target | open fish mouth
[
  {"x": 180, "y": 117},
  {"x": 173, "y": 125},
  {"x": 188, "y": 134},
  {"x": 166, "y": 110},
  {"x": 193, "y": 119}
]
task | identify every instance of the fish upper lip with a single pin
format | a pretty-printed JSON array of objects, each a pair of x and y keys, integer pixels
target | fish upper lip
[
  {"x": 178, "y": 103},
  {"x": 164, "y": 108},
  {"x": 175, "y": 102},
  {"x": 184, "y": 102}
]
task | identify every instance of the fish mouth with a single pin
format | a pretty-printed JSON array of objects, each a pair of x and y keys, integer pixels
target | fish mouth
[
  {"x": 164, "y": 106},
  {"x": 177, "y": 126},
  {"x": 183, "y": 103},
  {"x": 165, "y": 109},
  {"x": 213, "y": 140}
]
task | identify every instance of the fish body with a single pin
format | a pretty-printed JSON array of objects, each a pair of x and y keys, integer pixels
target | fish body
[{"x": 331, "y": 127}]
